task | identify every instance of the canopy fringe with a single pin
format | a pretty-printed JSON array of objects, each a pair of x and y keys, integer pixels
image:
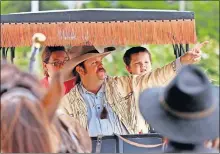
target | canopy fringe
[{"x": 101, "y": 33}]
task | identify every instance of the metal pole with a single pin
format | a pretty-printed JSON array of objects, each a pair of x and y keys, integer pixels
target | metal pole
[
  {"x": 182, "y": 5},
  {"x": 78, "y": 4},
  {"x": 12, "y": 54},
  {"x": 34, "y": 5}
]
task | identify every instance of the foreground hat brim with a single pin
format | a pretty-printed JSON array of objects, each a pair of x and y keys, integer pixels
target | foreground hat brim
[
  {"x": 174, "y": 128},
  {"x": 72, "y": 63}
]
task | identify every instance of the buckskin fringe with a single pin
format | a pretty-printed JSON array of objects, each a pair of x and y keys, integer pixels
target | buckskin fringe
[{"x": 101, "y": 33}]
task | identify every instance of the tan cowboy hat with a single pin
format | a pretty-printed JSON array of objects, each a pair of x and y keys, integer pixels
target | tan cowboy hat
[{"x": 81, "y": 54}]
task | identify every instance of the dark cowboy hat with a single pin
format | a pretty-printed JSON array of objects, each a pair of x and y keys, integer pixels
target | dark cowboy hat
[
  {"x": 186, "y": 111},
  {"x": 83, "y": 53}
]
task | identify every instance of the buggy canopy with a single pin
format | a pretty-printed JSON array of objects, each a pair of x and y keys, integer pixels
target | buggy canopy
[{"x": 99, "y": 27}]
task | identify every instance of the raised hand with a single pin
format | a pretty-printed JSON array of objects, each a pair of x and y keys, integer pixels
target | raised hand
[
  {"x": 194, "y": 55},
  {"x": 213, "y": 143}
]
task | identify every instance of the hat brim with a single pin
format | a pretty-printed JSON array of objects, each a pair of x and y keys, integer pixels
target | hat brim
[
  {"x": 174, "y": 128},
  {"x": 72, "y": 63}
]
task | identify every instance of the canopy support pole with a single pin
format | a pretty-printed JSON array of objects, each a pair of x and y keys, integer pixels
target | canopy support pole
[
  {"x": 12, "y": 54},
  {"x": 179, "y": 49},
  {"x": 4, "y": 53}
]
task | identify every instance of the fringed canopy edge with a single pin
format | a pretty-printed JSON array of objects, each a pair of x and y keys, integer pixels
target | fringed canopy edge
[{"x": 181, "y": 31}]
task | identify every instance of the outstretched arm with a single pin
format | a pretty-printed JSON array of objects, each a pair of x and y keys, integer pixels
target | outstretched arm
[{"x": 161, "y": 76}]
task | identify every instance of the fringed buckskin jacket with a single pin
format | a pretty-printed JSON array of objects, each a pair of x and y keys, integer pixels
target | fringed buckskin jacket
[{"x": 122, "y": 94}]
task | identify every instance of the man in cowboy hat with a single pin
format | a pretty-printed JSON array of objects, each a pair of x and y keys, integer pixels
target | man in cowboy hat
[
  {"x": 106, "y": 105},
  {"x": 186, "y": 111}
]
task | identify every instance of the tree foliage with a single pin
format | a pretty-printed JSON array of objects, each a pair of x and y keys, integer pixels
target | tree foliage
[
  {"x": 22, "y": 53},
  {"x": 207, "y": 28},
  {"x": 25, "y": 6}
]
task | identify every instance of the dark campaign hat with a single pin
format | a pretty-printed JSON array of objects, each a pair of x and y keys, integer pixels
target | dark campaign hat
[{"x": 187, "y": 110}]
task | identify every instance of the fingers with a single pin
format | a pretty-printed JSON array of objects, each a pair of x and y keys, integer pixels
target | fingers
[
  {"x": 208, "y": 144},
  {"x": 193, "y": 58},
  {"x": 196, "y": 51},
  {"x": 197, "y": 59},
  {"x": 212, "y": 143},
  {"x": 202, "y": 44},
  {"x": 198, "y": 46},
  {"x": 194, "y": 54},
  {"x": 216, "y": 143}
]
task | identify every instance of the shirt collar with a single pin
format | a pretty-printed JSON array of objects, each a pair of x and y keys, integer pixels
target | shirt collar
[{"x": 101, "y": 90}]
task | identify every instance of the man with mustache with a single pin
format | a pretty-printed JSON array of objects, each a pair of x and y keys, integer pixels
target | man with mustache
[{"x": 105, "y": 105}]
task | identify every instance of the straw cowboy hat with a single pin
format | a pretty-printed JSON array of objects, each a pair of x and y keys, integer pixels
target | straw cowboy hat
[
  {"x": 81, "y": 54},
  {"x": 187, "y": 110}
]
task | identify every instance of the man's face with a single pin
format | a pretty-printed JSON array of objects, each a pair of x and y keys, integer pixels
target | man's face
[
  {"x": 94, "y": 69},
  {"x": 140, "y": 63}
]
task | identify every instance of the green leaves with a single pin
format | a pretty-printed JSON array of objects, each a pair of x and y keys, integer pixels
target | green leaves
[{"x": 207, "y": 28}]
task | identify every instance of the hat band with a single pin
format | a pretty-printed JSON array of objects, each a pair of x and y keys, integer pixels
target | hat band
[{"x": 187, "y": 115}]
